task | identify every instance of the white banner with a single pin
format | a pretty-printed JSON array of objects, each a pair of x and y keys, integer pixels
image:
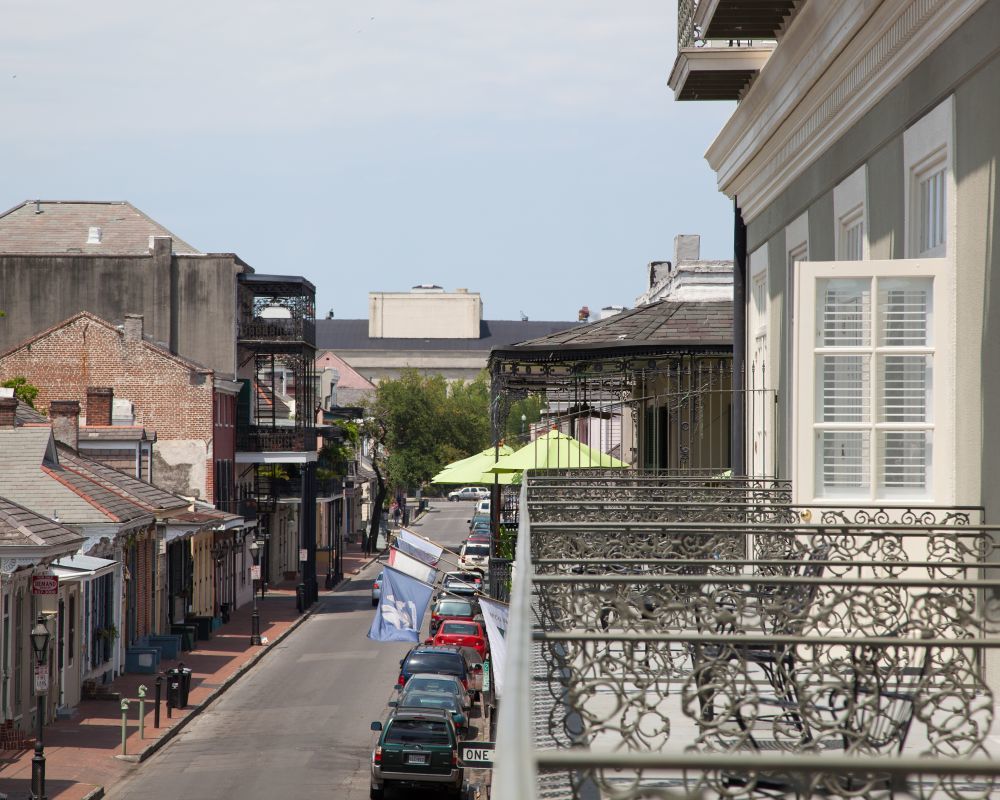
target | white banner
[
  {"x": 412, "y": 566},
  {"x": 495, "y": 615},
  {"x": 418, "y": 547}
]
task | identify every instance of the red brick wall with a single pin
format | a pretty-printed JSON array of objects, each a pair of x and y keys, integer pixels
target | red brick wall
[
  {"x": 224, "y": 446},
  {"x": 168, "y": 396}
]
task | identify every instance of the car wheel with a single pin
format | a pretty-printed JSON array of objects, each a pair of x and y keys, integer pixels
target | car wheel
[
  {"x": 452, "y": 499},
  {"x": 376, "y": 792}
]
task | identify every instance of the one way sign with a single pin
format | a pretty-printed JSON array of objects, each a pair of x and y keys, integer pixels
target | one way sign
[{"x": 476, "y": 754}]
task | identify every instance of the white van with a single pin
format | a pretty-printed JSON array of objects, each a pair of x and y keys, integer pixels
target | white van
[{"x": 483, "y": 506}]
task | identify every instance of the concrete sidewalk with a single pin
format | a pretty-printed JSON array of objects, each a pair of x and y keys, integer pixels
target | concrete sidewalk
[{"x": 83, "y": 754}]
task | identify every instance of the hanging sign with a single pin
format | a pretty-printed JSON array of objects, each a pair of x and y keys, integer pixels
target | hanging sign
[
  {"x": 44, "y": 584},
  {"x": 303, "y": 554},
  {"x": 255, "y": 572}
]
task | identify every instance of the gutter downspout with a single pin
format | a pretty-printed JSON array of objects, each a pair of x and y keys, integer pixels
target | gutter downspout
[{"x": 739, "y": 341}]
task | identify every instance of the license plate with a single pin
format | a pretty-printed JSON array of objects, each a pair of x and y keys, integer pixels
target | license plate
[{"x": 416, "y": 759}]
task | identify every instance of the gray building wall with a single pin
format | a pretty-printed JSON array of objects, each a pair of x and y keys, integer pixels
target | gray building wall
[
  {"x": 188, "y": 301},
  {"x": 968, "y": 66}
]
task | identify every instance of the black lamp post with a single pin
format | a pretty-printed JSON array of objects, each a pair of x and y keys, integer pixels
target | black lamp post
[
  {"x": 40, "y": 644},
  {"x": 255, "y": 617}
]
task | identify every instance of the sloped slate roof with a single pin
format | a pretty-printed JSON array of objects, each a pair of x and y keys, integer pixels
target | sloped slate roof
[
  {"x": 662, "y": 323},
  {"x": 63, "y": 227},
  {"x": 137, "y": 492},
  {"x": 26, "y": 415},
  {"x": 20, "y": 527},
  {"x": 352, "y": 334}
]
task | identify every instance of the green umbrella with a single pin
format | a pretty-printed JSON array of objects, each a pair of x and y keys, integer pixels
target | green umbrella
[
  {"x": 556, "y": 450},
  {"x": 474, "y": 469}
]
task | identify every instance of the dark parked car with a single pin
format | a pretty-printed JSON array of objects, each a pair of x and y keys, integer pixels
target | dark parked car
[
  {"x": 416, "y": 747},
  {"x": 442, "y": 660}
]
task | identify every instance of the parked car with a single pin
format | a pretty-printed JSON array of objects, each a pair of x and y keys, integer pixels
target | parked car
[
  {"x": 435, "y": 682},
  {"x": 469, "y": 493},
  {"x": 479, "y": 521},
  {"x": 416, "y": 747},
  {"x": 474, "y": 555},
  {"x": 442, "y": 660},
  {"x": 483, "y": 507},
  {"x": 450, "y": 608},
  {"x": 377, "y": 589},
  {"x": 461, "y": 634},
  {"x": 462, "y": 583}
]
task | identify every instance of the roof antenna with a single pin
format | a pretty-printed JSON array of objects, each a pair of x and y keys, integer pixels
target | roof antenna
[{"x": 524, "y": 317}]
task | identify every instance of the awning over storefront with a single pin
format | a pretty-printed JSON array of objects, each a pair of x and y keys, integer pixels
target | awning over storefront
[{"x": 79, "y": 567}]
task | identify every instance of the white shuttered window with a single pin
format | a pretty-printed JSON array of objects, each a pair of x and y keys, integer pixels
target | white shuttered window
[{"x": 876, "y": 360}]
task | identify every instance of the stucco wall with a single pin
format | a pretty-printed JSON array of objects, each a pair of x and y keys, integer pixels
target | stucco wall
[
  {"x": 419, "y": 315},
  {"x": 189, "y": 302}
]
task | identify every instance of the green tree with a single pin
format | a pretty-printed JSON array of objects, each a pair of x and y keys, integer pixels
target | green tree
[
  {"x": 338, "y": 451},
  {"x": 23, "y": 390},
  {"x": 531, "y": 408}
]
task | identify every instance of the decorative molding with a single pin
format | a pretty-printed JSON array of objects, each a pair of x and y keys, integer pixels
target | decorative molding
[{"x": 761, "y": 159}]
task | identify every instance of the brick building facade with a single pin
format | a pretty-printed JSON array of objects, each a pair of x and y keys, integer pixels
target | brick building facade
[{"x": 182, "y": 402}]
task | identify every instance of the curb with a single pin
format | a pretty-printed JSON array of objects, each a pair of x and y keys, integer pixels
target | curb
[
  {"x": 221, "y": 690},
  {"x": 94, "y": 794}
]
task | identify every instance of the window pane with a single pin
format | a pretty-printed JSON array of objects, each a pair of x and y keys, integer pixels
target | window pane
[
  {"x": 845, "y": 383},
  {"x": 904, "y": 311},
  {"x": 905, "y": 456},
  {"x": 931, "y": 193},
  {"x": 845, "y": 459},
  {"x": 905, "y": 388},
  {"x": 845, "y": 313}
]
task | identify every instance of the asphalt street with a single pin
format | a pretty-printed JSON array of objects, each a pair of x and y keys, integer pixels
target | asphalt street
[{"x": 297, "y": 725}]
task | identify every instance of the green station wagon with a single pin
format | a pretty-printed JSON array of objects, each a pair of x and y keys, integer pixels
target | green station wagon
[{"x": 416, "y": 747}]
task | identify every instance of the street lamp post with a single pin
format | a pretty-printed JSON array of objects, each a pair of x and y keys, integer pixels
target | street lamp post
[
  {"x": 40, "y": 644},
  {"x": 524, "y": 420},
  {"x": 255, "y": 617}
]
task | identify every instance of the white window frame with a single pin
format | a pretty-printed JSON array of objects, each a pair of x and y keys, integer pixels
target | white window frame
[
  {"x": 941, "y": 471},
  {"x": 928, "y": 145},
  {"x": 850, "y": 206},
  {"x": 796, "y": 250}
]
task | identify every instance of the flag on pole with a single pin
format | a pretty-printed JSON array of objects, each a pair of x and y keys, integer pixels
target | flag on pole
[
  {"x": 411, "y": 566},
  {"x": 418, "y": 547},
  {"x": 401, "y": 608},
  {"x": 495, "y": 615}
]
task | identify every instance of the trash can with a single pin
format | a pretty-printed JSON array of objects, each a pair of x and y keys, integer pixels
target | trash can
[
  {"x": 174, "y": 687},
  {"x": 185, "y": 680}
]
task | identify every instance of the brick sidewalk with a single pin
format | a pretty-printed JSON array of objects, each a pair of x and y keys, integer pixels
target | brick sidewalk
[{"x": 80, "y": 752}]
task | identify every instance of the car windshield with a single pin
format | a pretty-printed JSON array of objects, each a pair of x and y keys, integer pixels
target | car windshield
[
  {"x": 431, "y": 685},
  {"x": 447, "y": 663},
  {"x": 460, "y": 628},
  {"x": 429, "y": 700},
  {"x": 417, "y": 731},
  {"x": 477, "y": 550},
  {"x": 455, "y": 608}
]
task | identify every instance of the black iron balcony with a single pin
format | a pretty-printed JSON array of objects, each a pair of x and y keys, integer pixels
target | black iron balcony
[
  {"x": 266, "y": 438},
  {"x": 279, "y": 329}
]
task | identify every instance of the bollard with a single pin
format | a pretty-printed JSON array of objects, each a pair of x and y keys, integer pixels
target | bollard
[
  {"x": 156, "y": 710},
  {"x": 124, "y": 727},
  {"x": 142, "y": 712}
]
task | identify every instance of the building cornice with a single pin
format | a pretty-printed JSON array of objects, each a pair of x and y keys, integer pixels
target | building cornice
[{"x": 843, "y": 59}]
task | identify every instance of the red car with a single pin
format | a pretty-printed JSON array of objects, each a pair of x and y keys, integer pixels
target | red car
[
  {"x": 450, "y": 608},
  {"x": 454, "y": 633}
]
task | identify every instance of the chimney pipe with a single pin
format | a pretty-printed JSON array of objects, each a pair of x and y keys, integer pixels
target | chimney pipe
[
  {"x": 100, "y": 400},
  {"x": 8, "y": 411},
  {"x": 65, "y": 416}
]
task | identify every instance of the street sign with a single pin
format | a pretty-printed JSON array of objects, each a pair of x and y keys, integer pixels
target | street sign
[
  {"x": 476, "y": 754},
  {"x": 41, "y": 679},
  {"x": 255, "y": 572},
  {"x": 303, "y": 554},
  {"x": 44, "y": 584}
]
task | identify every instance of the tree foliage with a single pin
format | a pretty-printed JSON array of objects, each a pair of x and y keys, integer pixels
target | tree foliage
[
  {"x": 338, "y": 451},
  {"x": 427, "y": 423},
  {"x": 23, "y": 390}
]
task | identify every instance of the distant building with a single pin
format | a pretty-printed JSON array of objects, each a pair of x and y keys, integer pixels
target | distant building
[
  {"x": 427, "y": 329},
  {"x": 688, "y": 278}
]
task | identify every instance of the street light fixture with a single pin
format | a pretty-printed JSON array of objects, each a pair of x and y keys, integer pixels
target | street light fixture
[
  {"x": 40, "y": 644},
  {"x": 255, "y": 617},
  {"x": 524, "y": 420}
]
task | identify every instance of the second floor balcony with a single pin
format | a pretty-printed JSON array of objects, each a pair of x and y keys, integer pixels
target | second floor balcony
[
  {"x": 699, "y": 636},
  {"x": 722, "y": 45},
  {"x": 270, "y": 438}
]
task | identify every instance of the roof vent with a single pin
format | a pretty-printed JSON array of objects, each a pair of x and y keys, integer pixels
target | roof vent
[
  {"x": 94, "y": 235},
  {"x": 38, "y": 206}
]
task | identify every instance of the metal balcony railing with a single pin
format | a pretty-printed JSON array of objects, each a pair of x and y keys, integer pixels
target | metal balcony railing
[
  {"x": 264, "y": 329},
  {"x": 741, "y": 658},
  {"x": 689, "y": 35},
  {"x": 266, "y": 438}
]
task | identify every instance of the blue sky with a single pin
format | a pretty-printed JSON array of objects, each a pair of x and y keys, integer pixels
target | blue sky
[{"x": 529, "y": 150}]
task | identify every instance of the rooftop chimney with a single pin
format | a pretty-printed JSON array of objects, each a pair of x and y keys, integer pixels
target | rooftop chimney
[
  {"x": 687, "y": 247},
  {"x": 99, "y": 404},
  {"x": 133, "y": 329},
  {"x": 583, "y": 315},
  {"x": 8, "y": 411},
  {"x": 65, "y": 416}
]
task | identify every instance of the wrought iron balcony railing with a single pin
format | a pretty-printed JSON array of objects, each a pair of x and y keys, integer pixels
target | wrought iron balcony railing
[
  {"x": 266, "y": 438},
  {"x": 280, "y": 329},
  {"x": 682, "y": 658}
]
